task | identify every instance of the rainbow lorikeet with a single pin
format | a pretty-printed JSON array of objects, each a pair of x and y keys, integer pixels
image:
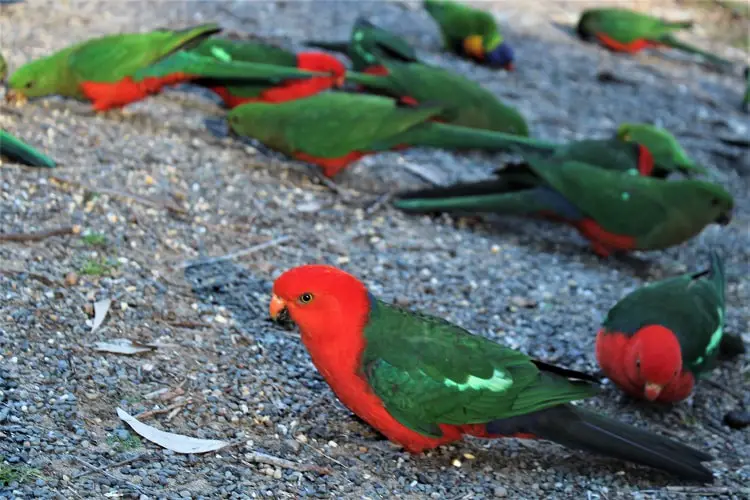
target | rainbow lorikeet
[
  {"x": 18, "y": 151},
  {"x": 471, "y": 32},
  {"x": 251, "y": 51},
  {"x": 466, "y": 103},
  {"x": 368, "y": 45},
  {"x": 334, "y": 129},
  {"x": 657, "y": 341},
  {"x": 623, "y": 30},
  {"x": 667, "y": 152},
  {"x": 115, "y": 70},
  {"x": 424, "y": 382},
  {"x": 612, "y": 210}
]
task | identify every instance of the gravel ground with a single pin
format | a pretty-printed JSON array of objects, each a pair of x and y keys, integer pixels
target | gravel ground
[{"x": 228, "y": 372}]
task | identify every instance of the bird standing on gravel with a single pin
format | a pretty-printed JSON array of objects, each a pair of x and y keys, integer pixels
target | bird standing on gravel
[{"x": 424, "y": 382}]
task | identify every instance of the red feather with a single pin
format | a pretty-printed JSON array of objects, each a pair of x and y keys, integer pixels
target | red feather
[{"x": 115, "y": 95}]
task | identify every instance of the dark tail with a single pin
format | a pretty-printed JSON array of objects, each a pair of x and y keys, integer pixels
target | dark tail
[
  {"x": 674, "y": 43},
  {"x": 339, "y": 47},
  {"x": 584, "y": 430},
  {"x": 21, "y": 152},
  {"x": 717, "y": 273},
  {"x": 440, "y": 135}
]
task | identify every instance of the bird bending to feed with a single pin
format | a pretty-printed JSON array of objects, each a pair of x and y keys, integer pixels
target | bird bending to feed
[
  {"x": 424, "y": 382},
  {"x": 658, "y": 340},
  {"x": 615, "y": 212}
]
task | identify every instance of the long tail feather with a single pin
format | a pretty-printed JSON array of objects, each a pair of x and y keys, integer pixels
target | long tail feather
[
  {"x": 584, "y": 430},
  {"x": 674, "y": 43},
  {"x": 21, "y": 152},
  {"x": 339, "y": 47}
]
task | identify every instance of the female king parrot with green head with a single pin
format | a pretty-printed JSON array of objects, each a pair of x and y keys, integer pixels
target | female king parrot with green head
[
  {"x": 623, "y": 30},
  {"x": 424, "y": 382},
  {"x": 615, "y": 212},
  {"x": 667, "y": 152},
  {"x": 658, "y": 340},
  {"x": 471, "y": 32}
]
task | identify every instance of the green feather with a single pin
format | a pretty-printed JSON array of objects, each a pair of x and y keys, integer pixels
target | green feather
[
  {"x": 667, "y": 152},
  {"x": 107, "y": 59},
  {"x": 457, "y": 22},
  {"x": 3, "y": 68},
  {"x": 466, "y": 103},
  {"x": 245, "y": 51},
  {"x": 691, "y": 305},
  {"x": 18, "y": 151}
]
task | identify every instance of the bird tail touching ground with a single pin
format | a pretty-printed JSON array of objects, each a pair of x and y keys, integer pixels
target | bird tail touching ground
[
  {"x": 21, "y": 152},
  {"x": 584, "y": 430},
  {"x": 674, "y": 43}
]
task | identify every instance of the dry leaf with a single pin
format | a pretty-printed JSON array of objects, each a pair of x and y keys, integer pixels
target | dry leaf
[
  {"x": 175, "y": 442},
  {"x": 100, "y": 312},
  {"x": 122, "y": 346}
]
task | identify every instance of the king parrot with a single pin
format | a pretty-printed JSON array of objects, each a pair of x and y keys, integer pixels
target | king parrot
[
  {"x": 466, "y": 102},
  {"x": 471, "y": 32},
  {"x": 18, "y": 151},
  {"x": 424, "y": 382},
  {"x": 251, "y": 51},
  {"x": 623, "y": 30},
  {"x": 612, "y": 210},
  {"x": 368, "y": 45},
  {"x": 668, "y": 153},
  {"x": 334, "y": 129},
  {"x": 658, "y": 340}
]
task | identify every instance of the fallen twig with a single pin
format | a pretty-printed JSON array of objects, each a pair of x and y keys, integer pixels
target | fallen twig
[
  {"x": 123, "y": 194},
  {"x": 40, "y": 278},
  {"x": 110, "y": 466},
  {"x": 99, "y": 470},
  {"x": 188, "y": 324},
  {"x": 262, "y": 458},
  {"x": 702, "y": 490},
  {"x": 233, "y": 255},
  {"x": 40, "y": 235},
  {"x": 379, "y": 202},
  {"x": 159, "y": 411}
]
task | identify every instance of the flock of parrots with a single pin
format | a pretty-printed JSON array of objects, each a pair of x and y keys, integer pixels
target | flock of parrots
[{"x": 420, "y": 380}]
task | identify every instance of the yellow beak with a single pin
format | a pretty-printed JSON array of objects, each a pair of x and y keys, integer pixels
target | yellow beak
[
  {"x": 652, "y": 391},
  {"x": 15, "y": 96},
  {"x": 276, "y": 307}
]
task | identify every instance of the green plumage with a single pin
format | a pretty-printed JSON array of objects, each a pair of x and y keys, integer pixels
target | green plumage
[
  {"x": 440, "y": 373},
  {"x": 107, "y": 59},
  {"x": 627, "y": 27},
  {"x": 457, "y": 22},
  {"x": 335, "y": 124},
  {"x": 20, "y": 152},
  {"x": 655, "y": 213},
  {"x": 3, "y": 68},
  {"x": 465, "y": 102},
  {"x": 254, "y": 51},
  {"x": 690, "y": 305},
  {"x": 746, "y": 99},
  {"x": 667, "y": 152},
  {"x": 369, "y": 45}
]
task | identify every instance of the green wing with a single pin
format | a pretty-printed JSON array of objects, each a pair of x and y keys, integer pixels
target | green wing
[
  {"x": 691, "y": 305},
  {"x": 622, "y": 204},
  {"x": 370, "y": 45},
  {"x": 626, "y": 26},
  {"x": 19, "y": 151},
  {"x": 245, "y": 51},
  {"x": 611, "y": 154},
  {"x": 428, "y": 371},
  {"x": 328, "y": 125},
  {"x": 466, "y": 102},
  {"x": 112, "y": 58}
]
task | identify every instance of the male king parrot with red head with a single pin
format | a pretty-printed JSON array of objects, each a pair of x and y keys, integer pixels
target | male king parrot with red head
[
  {"x": 424, "y": 382},
  {"x": 658, "y": 340}
]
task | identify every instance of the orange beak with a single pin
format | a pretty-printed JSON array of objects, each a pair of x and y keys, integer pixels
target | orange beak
[
  {"x": 277, "y": 306},
  {"x": 14, "y": 96},
  {"x": 652, "y": 391}
]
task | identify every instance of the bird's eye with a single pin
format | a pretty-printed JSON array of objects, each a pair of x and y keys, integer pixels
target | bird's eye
[
  {"x": 29, "y": 85},
  {"x": 305, "y": 298},
  {"x": 714, "y": 202},
  {"x": 638, "y": 363}
]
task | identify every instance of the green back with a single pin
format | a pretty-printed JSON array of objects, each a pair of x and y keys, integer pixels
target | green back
[
  {"x": 459, "y": 21},
  {"x": 106, "y": 59},
  {"x": 328, "y": 125},
  {"x": 253, "y": 51},
  {"x": 369, "y": 45},
  {"x": 656, "y": 212},
  {"x": 466, "y": 102},
  {"x": 428, "y": 371},
  {"x": 690, "y": 305},
  {"x": 667, "y": 152},
  {"x": 611, "y": 154},
  {"x": 624, "y": 25}
]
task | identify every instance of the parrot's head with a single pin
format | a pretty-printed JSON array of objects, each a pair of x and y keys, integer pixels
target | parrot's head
[
  {"x": 703, "y": 203},
  {"x": 34, "y": 79},
  {"x": 494, "y": 52},
  {"x": 501, "y": 56},
  {"x": 328, "y": 304},
  {"x": 323, "y": 63},
  {"x": 653, "y": 359}
]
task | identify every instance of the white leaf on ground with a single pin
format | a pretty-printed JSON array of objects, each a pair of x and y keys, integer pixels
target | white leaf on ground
[
  {"x": 100, "y": 313},
  {"x": 122, "y": 346},
  {"x": 175, "y": 442}
]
